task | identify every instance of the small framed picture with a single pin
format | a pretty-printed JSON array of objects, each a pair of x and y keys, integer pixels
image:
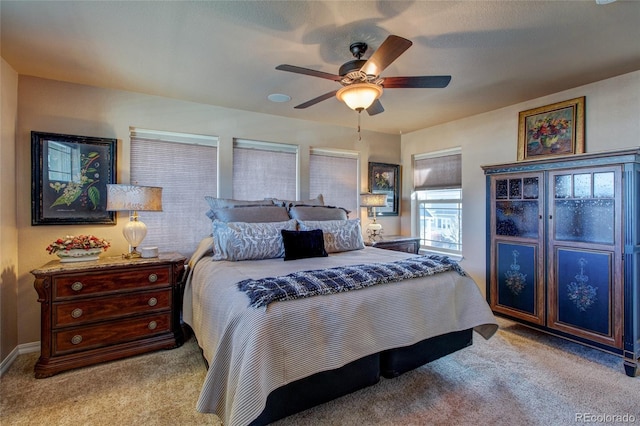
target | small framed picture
[
  {"x": 385, "y": 178},
  {"x": 69, "y": 179},
  {"x": 552, "y": 130}
]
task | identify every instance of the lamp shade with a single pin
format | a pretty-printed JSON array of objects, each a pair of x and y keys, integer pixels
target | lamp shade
[
  {"x": 359, "y": 96},
  {"x": 373, "y": 200},
  {"x": 134, "y": 198}
]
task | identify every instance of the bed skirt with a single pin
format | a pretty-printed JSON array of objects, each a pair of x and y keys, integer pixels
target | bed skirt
[{"x": 327, "y": 385}]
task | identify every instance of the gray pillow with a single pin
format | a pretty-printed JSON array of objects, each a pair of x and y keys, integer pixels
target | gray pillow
[
  {"x": 339, "y": 235},
  {"x": 252, "y": 214},
  {"x": 318, "y": 213},
  {"x": 249, "y": 241},
  {"x": 221, "y": 203},
  {"x": 318, "y": 201},
  {"x": 218, "y": 203}
]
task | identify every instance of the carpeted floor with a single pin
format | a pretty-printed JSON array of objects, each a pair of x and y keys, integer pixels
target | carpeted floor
[{"x": 518, "y": 377}]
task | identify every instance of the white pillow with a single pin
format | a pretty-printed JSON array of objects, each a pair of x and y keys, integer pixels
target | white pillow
[
  {"x": 249, "y": 241},
  {"x": 339, "y": 235}
]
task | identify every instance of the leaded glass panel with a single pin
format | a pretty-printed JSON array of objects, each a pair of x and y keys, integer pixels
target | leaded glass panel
[
  {"x": 585, "y": 220},
  {"x": 603, "y": 185},
  {"x": 582, "y": 185},
  {"x": 515, "y": 188},
  {"x": 562, "y": 186},
  {"x": 517, "y": 219},
  {"x": 502, "y": 191},
  {"x": 530, "y": 188}
]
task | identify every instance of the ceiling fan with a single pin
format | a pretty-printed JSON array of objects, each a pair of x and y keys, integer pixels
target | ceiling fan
[{"x": 360, "y": 78}]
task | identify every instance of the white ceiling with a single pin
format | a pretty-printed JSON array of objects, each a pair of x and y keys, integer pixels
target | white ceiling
[{"x": 224, "y": 53}]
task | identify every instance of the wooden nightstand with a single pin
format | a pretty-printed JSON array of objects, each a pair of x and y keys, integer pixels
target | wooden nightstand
[
  {"x": 398, "y": 243},
  {"x": 108, "y": 309}
]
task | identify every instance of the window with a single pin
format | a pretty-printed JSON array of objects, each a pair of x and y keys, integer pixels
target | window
[
  {"x": 437, "y": 183},
  {"x": 334, "y": 174},
  {"x": 264, "y": 170},
  {"x": 185, "y": 166},
  {"x": 63, "y": 162}
]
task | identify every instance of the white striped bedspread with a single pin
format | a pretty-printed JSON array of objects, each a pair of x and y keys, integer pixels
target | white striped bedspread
[{"x": 252, "y": 352}]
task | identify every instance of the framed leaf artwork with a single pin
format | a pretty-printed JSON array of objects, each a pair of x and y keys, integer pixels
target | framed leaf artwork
[{"x": 69, "y": 179}]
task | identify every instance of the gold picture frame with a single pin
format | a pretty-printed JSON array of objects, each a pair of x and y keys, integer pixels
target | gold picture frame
[{"x": 552, "y": 130}]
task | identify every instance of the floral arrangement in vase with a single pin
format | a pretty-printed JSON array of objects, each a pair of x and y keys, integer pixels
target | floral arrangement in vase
[
  {"x": 78, "y": 248},
  {"x": 548, "y": 129}
]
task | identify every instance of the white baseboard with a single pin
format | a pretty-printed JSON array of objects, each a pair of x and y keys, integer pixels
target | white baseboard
[{"x": 25, "y": 348}]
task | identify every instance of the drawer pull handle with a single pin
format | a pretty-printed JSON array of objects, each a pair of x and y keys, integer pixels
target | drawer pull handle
[
  {"x": 152, "y": 325},
  {"x": 77, "y": 339},
  {"x": 76, "y": 313},
  {"x": 77, "y": 286},
  {"x": 153, "y": 301},
  {"x": 153, "y": 278}
]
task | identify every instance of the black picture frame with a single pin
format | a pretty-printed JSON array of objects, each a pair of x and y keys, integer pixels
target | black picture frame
[
  {"x": 69, "y": 178},
  {"x": 385, "y": 178}
]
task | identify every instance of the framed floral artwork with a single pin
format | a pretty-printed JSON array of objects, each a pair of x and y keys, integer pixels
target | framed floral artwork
[
  {"x": 69, "y": 179},
  {"x": 385, "y": 179},
  {"x": 552, "y": 130}
]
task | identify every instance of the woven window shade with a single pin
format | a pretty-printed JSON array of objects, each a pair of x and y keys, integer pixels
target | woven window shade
[
  {"x": 186, "y": 174},
  {"x": 437, "y": 172},
  {"x": 267, "y": 173},
  {"x": 336, "y": 178}
]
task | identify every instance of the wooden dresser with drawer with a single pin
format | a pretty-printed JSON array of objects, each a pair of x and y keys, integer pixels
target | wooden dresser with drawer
[{"x": 107, "y": 309}]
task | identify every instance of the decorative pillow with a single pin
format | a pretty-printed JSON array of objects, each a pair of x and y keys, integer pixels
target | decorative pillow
[
  {"x": 318, "y": 201},
  {"x": 303, "y": 244},
  {"x": 339, "y": 235},
  {"x": 318, "y": 213},
  {"x": 219, "y": 203},
  {"x": 227, "y": 203},
  {"x": 249, "y": 241},
  {"x": 251, "y": 214}
]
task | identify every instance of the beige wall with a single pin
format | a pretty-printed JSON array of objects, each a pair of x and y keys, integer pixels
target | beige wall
[
  {"x": 612, "y": 122},
  {"x": 51, "y": 106},
  {"x": 8, "y": 230}
]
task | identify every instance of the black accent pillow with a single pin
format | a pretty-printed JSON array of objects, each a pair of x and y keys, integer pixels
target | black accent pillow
[{"x": 303, "y": 244}]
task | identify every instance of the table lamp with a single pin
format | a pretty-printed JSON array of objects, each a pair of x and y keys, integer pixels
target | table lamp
[
  {"x": 374, "y": 229},
  {"x": 134, "y": 198}
]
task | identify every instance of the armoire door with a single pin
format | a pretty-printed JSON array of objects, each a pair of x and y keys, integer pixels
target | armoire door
[
  {"x": 517, "y": 249},
  {"x": 585, "y": 253}
]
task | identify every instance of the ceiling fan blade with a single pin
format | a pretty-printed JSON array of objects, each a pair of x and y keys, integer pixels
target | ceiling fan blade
[
  {"x": 418, "y": 82},
  {"x": 375, "y": 108},
  {"x": 307, "y": 71},
  {"x": 388, "y": 52},
  {"x": 316, "y": 100}
]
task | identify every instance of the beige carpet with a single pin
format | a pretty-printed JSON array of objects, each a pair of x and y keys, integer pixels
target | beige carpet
[{"x": 519, "y": 377}]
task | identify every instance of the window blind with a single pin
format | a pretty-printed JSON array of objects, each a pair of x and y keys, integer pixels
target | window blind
[
  {"x": 335, "y": 176},
  {"x": 185, "y": 166},
  {"x": 437, "y": 171},
  {"x": 264, "y": 170}
]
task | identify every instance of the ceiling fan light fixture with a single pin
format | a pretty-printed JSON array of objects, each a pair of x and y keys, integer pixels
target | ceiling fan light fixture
[{"x": 359, "y": 96}]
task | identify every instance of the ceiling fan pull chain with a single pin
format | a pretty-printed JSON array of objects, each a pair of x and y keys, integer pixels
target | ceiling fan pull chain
[{"x": 359, "y": 134}]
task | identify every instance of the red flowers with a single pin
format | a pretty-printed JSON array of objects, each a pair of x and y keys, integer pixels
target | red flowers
[
  {"x": 548, "y": 126},
  {"x": 85, "y": 242}
]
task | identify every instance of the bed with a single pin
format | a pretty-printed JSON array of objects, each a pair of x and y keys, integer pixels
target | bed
[{"x": 268, "y": 362}]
